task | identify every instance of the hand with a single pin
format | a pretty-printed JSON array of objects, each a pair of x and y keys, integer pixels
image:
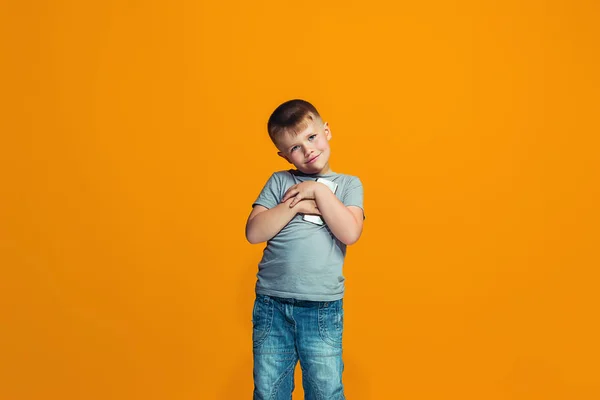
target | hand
[
  {"x": 302, "y": 191},
  {"x": 307, "y": 207}
]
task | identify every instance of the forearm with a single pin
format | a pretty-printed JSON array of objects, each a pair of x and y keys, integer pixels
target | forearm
[
  {"x": 338, "y": 217},
  {"x": 267, "y": 224}
]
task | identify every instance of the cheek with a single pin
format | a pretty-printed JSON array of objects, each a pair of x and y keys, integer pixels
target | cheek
[{"x": 323, "y": 144}]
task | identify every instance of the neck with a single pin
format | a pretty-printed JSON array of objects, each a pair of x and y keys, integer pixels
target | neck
[{"x": 325, "y": 170}]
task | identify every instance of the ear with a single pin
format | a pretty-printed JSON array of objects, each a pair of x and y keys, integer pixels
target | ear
[
  {"x": 327, "y": 130},
  {"x": 280, "y": 154}
]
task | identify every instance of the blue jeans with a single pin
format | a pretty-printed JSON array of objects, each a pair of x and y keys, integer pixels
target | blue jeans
[{"x": 286, "y": 331}]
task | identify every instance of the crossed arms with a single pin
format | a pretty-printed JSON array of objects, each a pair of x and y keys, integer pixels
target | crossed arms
[{"x": 309, "y": 197}]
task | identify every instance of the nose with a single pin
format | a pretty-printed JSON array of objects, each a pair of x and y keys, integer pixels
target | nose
[{"x": 308, "y": 151}]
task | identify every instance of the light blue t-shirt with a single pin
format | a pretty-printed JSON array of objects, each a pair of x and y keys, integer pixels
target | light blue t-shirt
[{"x": 304, "y": 260}]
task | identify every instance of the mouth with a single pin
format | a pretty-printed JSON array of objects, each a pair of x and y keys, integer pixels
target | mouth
[{"x": 312, "y": 160}]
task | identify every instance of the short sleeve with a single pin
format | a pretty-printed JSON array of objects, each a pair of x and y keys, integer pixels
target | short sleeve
[
  {"x": 270, "y": 195},
  {"x": 353, "y": 195}
]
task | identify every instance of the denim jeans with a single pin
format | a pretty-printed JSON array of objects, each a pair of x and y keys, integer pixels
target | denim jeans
[{"x": 286, "y": 331}]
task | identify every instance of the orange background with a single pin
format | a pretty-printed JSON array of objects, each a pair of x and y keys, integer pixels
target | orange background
[{"x": 133, "y": 143}]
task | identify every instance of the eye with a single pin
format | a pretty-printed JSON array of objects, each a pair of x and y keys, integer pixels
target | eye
[
  {"x": 312, "y": 137},
  {"x": 294, "y": 148}
]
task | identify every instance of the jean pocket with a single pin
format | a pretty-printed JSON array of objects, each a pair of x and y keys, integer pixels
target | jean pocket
[
  {"x": 262, "y": 319},
  {"x": 331, "y": 322}
]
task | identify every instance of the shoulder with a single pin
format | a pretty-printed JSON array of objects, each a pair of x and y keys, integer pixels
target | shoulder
[
  {"x": 350, "y": 179},
  {"x": 350, "y": 186},
  {"x": 279, "y": 178},
  {"x": 282, "y": 176}
]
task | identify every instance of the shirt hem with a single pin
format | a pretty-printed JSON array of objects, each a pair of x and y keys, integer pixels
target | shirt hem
[{"x": 300, "y": 296}]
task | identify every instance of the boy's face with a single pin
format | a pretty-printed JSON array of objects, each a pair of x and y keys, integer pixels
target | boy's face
[{"x": 309, "y": 149}]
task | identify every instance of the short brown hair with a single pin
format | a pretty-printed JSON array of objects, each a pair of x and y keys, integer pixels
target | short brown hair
[{"x": 291, "y": 116}]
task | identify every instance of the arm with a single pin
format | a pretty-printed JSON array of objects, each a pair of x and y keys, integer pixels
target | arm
[
  {"x": 345, "y": 223},
  {"x": 264, "y": 223}
]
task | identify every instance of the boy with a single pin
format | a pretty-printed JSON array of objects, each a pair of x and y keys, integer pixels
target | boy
[{"x": 307, "y": 216}]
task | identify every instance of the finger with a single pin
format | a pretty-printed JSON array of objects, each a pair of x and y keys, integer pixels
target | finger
[
  {"x": 290, "y": 193},
  {"x": 295, "y": 201},
  {"x": 293, "y": 187}
]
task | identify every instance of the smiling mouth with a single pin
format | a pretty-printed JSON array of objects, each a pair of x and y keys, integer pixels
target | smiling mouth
[{"x": 312, "y": 159}]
